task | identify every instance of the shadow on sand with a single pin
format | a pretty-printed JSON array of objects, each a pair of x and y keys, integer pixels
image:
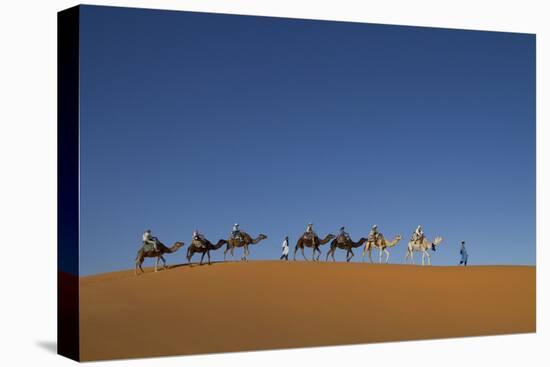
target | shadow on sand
[{"x": 193, "y": 264}]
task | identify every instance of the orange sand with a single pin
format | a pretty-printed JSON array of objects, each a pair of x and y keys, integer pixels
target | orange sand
[{"x": 231, "y": 306}]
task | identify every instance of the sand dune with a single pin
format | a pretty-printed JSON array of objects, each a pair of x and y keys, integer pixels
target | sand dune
[{"x": 233, "y": 306}]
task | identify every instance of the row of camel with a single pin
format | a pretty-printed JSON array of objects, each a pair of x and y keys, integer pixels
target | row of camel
[
  {"x": 203, "y": 248},
  {"x": 381, "y": 244},
  {"x": 313, "y": 242}
]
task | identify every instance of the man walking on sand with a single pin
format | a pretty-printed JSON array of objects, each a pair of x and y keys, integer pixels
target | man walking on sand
[
  {"x": 463, "y": 254},
  {"x": 285, "y": 249}
]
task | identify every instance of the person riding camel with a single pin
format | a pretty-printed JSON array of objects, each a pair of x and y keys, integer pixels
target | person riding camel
[
  {"x": 236, "y": 232},
  {"x": 418, "y": 235},
  {"x": 343, "y": 236},
  {"x": 309, "y": 231},
  {"x": 374, "y": 235},
  {"x": 198, "y": 238},
  {"x": 149, "y": 239}
]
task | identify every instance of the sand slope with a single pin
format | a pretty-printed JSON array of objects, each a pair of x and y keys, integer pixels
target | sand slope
[{"x": 268, "y": 304}]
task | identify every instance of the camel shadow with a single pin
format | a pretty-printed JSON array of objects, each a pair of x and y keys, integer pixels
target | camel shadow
[
  {"x": 48, "y": 345},
  {"x": 193, "y": 264}
]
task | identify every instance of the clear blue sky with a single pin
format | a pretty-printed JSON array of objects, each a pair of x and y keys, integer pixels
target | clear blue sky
[{"x": 193, "y": 120}]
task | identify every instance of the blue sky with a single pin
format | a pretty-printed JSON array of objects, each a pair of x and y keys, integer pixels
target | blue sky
[{"x": 193, "y": 120}]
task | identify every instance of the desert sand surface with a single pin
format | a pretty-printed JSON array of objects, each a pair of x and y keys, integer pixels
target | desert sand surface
[{"x": 239, "y": 306}]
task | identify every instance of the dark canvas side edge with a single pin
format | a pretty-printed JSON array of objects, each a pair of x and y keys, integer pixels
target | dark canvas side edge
[{"x": 68, "y": 328}]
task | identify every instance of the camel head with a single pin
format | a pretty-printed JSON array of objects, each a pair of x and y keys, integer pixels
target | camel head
[
  {"x": 436, "y": 242},
  {"x": 330, "y": 236},
  {"x": 398, "y": 237},
  {"x": 178, "y": 244},
  {"x": 262, "y": 236}
]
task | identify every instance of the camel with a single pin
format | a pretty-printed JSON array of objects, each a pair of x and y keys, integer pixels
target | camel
[
  {"x": 142, "y": 254},
  {"x": 382, "y": 244},
  {"x": 422, "y": 247},
  {"x": 315, "y": 242},
  {"x": 348, "y": 245},
  {"x": 205, "y": 249},
  {"x": 245, "y": 241}
]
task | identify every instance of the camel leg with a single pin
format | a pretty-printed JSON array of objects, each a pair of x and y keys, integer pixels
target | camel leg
[
  {"x": 370, "y": 255},
  {"x": 429, "y": 258},
  {"x": 319, "y": 253},
  {"x": 245, "y": 253},
  {"x": 303, "y": 254},
  {"x": 138, "y": 265},
  {"x": 387, "y": 255},
  {"x": 208, "y": 253},
  {"x": 410, "y": 257},
  {"x": 295, "y": 251},
  {"x": 163, "y": 262},
  {"x": 225, "y": 253},
  {"x": 202, "y": 257},
  {"x": 189, "y": 256},
  {"x": 380, "y": 255},
  {"x": 157, "y": 264},
  {"x": 351, "y": 253},
  {"x": 331, "y": 253},
  {"x": 423, "y": 256}
]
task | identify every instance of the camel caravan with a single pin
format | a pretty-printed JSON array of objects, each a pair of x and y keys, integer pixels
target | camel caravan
[{"x": 151, "y": 247}]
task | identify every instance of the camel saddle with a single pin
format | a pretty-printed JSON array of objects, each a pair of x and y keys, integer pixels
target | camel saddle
[
  {"x": 237, "y": 237},
  {"x": 343, "y": 239},
  {"x": 197, "y": 243},
  {"x": 147, "y": 247},
  {"x": 309, "y": 236}
]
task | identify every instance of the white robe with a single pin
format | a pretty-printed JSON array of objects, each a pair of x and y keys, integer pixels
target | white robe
[{"x": 285, "y": 247}]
